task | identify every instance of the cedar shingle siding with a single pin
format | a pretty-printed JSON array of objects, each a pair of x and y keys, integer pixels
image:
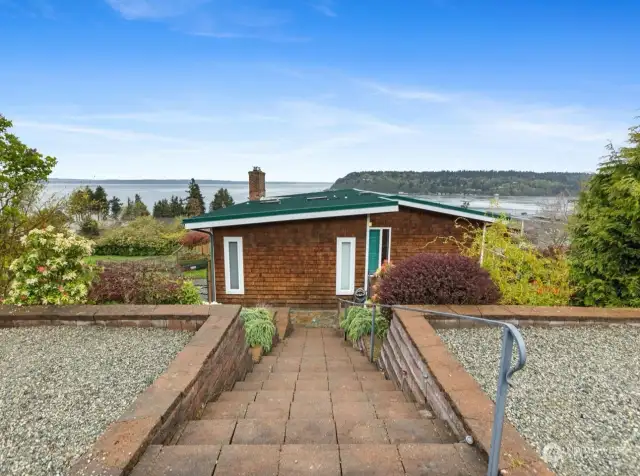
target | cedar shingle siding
[
  {"x": 294, "y": 263},
  {"x": 412, "y": 232},
  {"x": 290, "y": 263}
]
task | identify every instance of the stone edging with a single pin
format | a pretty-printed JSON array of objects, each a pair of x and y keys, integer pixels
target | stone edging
[
  {"x": 417, "y": 359},
  {"x": 526, "y": 316},
  {"x": 175, "y": 317},
  {"x": 215, "y": 358}
]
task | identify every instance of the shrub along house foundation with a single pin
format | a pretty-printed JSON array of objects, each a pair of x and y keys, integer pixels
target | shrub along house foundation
[{"x": 305, "y": 250}]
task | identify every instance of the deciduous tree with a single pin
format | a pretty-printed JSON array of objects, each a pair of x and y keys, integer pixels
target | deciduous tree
[{"x": 22, "y": 172}]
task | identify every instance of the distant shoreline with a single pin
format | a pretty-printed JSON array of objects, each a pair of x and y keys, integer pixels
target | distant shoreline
[{"x": 168, "y": 181}]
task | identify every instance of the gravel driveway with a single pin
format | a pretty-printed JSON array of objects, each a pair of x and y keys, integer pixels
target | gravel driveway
[
  {"x": 61, "y": 386},
  {"x": 578, "y": 398}
]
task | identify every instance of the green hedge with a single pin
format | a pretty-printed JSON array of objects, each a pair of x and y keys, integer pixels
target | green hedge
[{"x": 144, "y": 236}]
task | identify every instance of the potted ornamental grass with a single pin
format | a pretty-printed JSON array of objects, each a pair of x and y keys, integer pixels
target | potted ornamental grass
[{"x": 259, "y": 331}]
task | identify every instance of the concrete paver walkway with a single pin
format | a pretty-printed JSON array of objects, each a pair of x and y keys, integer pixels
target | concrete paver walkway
[{"x": 313, "y": 407}]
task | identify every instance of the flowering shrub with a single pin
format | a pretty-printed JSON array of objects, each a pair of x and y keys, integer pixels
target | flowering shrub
[
  {"x": 524, "y": 275},
  {"x": 142, "y": 282},
  {"x": 51, "y": 269},
  {"x": 434, "y": 278},
  {"x": 145, "y": 236}
]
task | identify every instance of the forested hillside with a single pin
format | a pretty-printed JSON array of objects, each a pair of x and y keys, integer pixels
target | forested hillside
[{"x": 475, "y": 182}]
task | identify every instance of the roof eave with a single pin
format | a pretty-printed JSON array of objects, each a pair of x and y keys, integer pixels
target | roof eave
[{"x": 192, "y": 225}]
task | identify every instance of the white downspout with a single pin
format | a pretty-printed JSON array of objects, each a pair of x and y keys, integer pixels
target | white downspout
[{"x": 484, "y": 235}]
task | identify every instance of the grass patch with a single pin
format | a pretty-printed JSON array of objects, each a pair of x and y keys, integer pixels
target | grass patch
[{"x": 195, "y": 274}]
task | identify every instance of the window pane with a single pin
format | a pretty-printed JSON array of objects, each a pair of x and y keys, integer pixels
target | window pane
[
  {"x": 386, "y": 242},
  {"x": 345, "y": 265},
  {"x": 234, "y": 277}
]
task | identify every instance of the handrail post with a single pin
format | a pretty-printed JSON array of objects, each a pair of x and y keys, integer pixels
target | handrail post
[
  {"x": 501, "y": 399},
  {"x": 373, "y": 329}
]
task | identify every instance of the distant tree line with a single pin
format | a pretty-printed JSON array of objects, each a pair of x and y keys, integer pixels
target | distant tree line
[
  {"x": 467, "y": 182},
  {"x": 87, "y": 206}
]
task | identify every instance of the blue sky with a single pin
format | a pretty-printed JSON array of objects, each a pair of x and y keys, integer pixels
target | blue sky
[{"x": 311, "y": 90}]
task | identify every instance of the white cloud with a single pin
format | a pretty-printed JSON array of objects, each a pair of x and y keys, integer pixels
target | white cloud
[
  {"x": 154, "y": 9},
  {"x": 208, "y": 18},
  {"x": 406, "y": 93},
  {"x": 325, "y": 7},
  {"x": 315, "y": 127}
]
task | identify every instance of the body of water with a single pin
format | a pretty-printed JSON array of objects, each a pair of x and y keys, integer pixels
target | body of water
[{"x": 152, "y": 191}]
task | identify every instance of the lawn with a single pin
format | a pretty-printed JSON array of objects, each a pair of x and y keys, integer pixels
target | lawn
[{"x": 192, "y": 274}]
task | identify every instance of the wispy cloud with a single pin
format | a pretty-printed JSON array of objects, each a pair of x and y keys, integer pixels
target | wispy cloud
[
  {"x": 154, "y": 9},
  {"x": 208, "y": 18},
  {"x": 326, "y": 7},
  {"x": 113, "y": 134},
  {"x": 407, "y": 93}
]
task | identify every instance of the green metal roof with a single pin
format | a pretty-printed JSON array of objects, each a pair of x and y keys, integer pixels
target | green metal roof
[
  {"x": 338, "y": 201},
  {"x": 472, "y": 211},
  {"x": 298, "y": 203}
]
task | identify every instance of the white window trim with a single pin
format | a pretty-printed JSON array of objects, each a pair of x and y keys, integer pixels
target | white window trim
[
  {"x": 227, "y": 271},
  {"x": 352, "y": 266}
]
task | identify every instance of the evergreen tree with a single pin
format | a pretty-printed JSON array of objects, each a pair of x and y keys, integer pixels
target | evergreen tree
[
  {"x": 162, "y": 209},
  {"x": 177, "y": 206},
  {"x": 221, "y": 199},
  {"x": 195, "y": 200},
  {"x": 115, "y": 205},
  {"x": 139, "y": 208},
  {"x": 605, "y": 231},
  {"x": 127, "y": 213},
  {"x": 100, "y": 202}
]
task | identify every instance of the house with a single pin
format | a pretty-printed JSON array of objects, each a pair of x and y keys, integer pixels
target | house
[{"x": 304, "y": 250}]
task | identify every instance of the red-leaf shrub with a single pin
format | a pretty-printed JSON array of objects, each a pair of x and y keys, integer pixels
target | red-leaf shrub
[
  {"x": 194, "y": 238},
  {"x": 433, "y": 278},
  {"x": 137, "y": 282}
]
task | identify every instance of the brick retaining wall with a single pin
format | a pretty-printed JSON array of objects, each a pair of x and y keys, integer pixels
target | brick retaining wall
[
  {"x": 215, "y": 358},
  {"x": 176, "y": 317},
  {"x": 527, "y": 316},
  {"x": 416, "y": 359}
]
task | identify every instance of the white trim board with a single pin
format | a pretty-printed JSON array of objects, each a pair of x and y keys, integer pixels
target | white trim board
[
  {"x": 290, "y": 217},
  {"x": 227, "y": 270},
  {"x": 366, "y": 255},
  {"x": 446, "y": 211},
  {"x": 352, "y": 266}
]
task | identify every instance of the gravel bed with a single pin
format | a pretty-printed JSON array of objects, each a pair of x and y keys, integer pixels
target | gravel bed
[
  {"x": 60, "y": 387},
  {"x": 577, "y": 401}
]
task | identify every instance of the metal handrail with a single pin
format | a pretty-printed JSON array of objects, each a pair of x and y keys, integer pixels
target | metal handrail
[{"x": 510, "y": 334}]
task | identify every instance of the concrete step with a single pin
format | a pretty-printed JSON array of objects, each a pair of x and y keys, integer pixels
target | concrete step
[{"x": 311, "y": 459}]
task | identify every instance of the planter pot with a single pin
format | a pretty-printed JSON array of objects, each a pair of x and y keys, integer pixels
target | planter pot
[{"x": 256, "y": 354}]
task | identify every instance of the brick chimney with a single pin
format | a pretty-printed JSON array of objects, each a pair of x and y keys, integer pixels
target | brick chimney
[{"x": 257, "y": 188}]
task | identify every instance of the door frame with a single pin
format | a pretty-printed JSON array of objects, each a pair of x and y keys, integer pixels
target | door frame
[{"x": 366, "y": 260}]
